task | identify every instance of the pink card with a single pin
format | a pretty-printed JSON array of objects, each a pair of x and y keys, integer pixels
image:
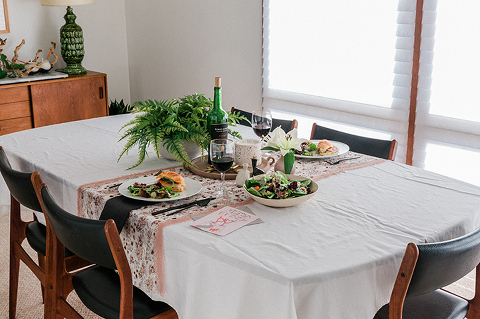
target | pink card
[{"x": 224, "y": 221}]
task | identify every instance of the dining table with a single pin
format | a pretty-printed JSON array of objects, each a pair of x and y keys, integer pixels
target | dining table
[{"x": 335, "y": 255}]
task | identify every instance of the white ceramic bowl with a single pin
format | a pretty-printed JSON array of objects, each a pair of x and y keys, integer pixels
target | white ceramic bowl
[{"x": 285, "y": 202}]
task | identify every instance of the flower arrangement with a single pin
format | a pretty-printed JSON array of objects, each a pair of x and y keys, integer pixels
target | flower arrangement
[{"x": 286, "y": 143}]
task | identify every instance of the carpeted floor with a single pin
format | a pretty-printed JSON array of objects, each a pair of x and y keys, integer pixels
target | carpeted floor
[
  {"x": 29, "y": 304},
  {"x": 29, "y": 293}
]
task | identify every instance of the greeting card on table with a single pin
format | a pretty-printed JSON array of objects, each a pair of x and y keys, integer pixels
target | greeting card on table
[{"x": 224, "y": 221}]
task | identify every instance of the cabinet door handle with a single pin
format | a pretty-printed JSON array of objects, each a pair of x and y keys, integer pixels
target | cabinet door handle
[{"x": 100, "y": 92}]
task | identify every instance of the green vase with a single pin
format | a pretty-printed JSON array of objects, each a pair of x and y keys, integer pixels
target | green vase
[
  {"x": 286, "y": 164},
  {"x": 71, "y": 41}
]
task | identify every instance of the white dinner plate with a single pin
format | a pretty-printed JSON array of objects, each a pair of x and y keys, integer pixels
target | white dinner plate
[
  {"x": 191, "y": 188},
  {"x": 342, "y": 149}
]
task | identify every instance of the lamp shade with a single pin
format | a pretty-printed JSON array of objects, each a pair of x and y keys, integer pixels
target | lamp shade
[{"x": 64, "y": 3}]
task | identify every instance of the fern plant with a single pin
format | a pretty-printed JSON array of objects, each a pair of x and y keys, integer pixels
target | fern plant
[
  {"x": 169, "y": 123},
  {"x": 116, "y": 107}
]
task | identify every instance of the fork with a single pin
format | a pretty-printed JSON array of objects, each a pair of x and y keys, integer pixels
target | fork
[{"x": 340, "y": 160}]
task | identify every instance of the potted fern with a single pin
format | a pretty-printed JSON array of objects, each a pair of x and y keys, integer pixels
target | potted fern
[{"x": 171, "y": 124}]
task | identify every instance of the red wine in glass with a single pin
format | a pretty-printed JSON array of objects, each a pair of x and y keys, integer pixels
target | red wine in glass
[
  {"x": 261, "y": 130},
  {"x": 261, "y": 122},
  {"x": 222, "y": 164},
  {"x": 222, "y": 152}
]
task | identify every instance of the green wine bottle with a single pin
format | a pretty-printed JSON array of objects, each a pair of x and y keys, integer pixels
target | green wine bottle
[{"x": 217, "y": 118}]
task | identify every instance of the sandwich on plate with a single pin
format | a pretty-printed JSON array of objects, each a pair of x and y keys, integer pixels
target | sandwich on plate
[{"x": 171, "y": 179}]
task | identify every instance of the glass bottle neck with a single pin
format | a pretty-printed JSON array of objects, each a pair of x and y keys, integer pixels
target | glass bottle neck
[{"x": 217, "y": 97}]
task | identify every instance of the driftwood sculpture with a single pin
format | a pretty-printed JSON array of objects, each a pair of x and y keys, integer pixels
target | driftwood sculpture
[
  {"x": 2, "y": 43},
  {"x": 15, "y": 53},
  {"x": 15, "y": 69}
]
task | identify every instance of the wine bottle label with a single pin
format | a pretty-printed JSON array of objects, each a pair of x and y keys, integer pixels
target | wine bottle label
[{"x": 219, "y": 130}]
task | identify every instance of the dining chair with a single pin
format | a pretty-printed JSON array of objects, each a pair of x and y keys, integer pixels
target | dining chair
[
  {"x": 106, "y": 288},
  {"x": 287, "y": 125},
  {"x": 424, "y": 270},
  {"x": 23, "y": 193},
  {"x": 370, "y": 146}
]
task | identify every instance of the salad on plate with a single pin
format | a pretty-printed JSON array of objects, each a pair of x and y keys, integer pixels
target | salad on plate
[
  {"x": 277, "y": 186},
  {"x": 321, "y": 148},
  {"x": 167, "y": 185},
  {"x": 155, "y": 191}
]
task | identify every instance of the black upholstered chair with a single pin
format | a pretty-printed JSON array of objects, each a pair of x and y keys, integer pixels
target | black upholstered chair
[
  {"x": 287, "y": 125},
  {"x": 425, "y": 269},
  {"x": 370, "y": 146},
  {"x": 104, "y": 291},
  {"x": 22, "y": 192}
]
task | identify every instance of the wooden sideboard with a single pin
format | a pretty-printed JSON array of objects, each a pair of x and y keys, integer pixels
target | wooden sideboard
[{"x": 41, "y": 103}]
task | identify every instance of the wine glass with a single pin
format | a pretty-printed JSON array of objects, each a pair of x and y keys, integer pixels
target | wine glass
[
  {"x": 261, "y": 122},
  {"x": 222, "y": 152}
]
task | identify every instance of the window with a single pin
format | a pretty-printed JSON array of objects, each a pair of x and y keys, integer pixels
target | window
[
  {"x": 347, "y": 42},
  {"x": 448, "y": 126},
  {"x": 350, "y": 63},
  {"x": 346, "y": 60}
]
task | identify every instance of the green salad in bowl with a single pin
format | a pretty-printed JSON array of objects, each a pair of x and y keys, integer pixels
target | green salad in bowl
[{"x": 279, "y": 189}]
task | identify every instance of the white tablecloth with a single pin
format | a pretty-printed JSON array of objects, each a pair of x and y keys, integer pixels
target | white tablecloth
[{"x": 335, "y": 256}]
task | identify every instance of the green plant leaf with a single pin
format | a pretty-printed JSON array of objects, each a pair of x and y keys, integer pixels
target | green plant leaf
[
  {"x": 270, "y": 148},
  {"x": 288, "y": 161},
  {"x": 168, "y": 123}
]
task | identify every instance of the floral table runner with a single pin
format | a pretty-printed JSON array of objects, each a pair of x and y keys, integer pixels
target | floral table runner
[{"x": 142, "y": 234}]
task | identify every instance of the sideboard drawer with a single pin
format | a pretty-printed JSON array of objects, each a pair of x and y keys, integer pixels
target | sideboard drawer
[
  {"x": 15, "y": 110},
  {"x": 45, "y": 102},
  {"x": 15, "y": 125},
  {"x": 15, "y": 94}
]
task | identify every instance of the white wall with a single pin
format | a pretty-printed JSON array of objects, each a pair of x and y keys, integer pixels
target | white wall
[
  {"x": 177, "y": 47},
  {"x": 104, "y": 30}
]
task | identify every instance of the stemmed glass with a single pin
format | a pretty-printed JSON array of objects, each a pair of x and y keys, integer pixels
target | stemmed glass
[
  {"x": 222, "y": 152},
  {"x": 261, "y": 122}
]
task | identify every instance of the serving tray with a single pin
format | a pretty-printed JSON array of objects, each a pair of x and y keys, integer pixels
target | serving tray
[{"x": 203, "y": 166}]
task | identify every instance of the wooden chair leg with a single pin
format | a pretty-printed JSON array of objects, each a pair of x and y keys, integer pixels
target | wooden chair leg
[
  {"x": 15, "y": 237},
  {"x": 41, "y": 264},
  {"x": 13, "y": 284}
]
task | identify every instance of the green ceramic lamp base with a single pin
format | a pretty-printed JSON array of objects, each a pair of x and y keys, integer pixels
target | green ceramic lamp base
[
  {"x": 71, "y": 41},
  {"x": 75, "y": 68}
]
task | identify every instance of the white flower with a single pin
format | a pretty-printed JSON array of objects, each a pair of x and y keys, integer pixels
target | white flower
[{"x": 284, "y": 142}]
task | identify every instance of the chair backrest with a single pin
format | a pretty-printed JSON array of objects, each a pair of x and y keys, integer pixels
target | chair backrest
[
  {"x": 19, "y": 184},
  {"x": 84, "y": 237},
  {"x": 365, "y": 145},
  {"x": 287, "y": 125},
  {"x": 440, "y": 264}
]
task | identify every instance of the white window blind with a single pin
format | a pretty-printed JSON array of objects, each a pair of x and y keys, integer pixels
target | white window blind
[
  {"x": 447, "y": 136},
  {"x": 341, "y": 61},
  {"x": 334, "y": 61}
]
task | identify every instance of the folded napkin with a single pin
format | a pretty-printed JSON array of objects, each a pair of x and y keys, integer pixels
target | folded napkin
[{"x": 118, "y": 208}]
